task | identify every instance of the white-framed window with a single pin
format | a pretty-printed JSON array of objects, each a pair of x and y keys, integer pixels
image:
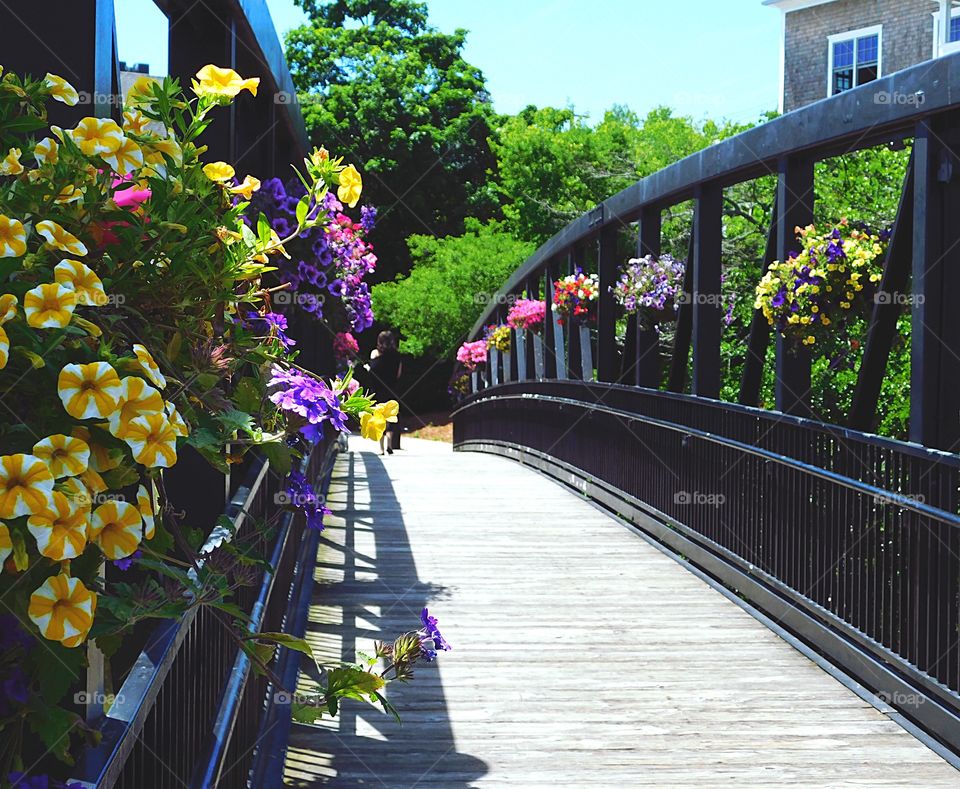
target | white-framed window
[
  {"x": 854, "y": 58},
  {"x": 946, "y": 28}
]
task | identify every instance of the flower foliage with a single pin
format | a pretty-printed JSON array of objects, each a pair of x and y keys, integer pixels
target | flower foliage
[
  {"x": 575, "y": 297},
  {"x": 326, "y": 264},
  {"x": 527, "y": 314},
  {"x": 651, "y": 287},
  {"x": 473, "y": 354},
  {"x": 135, "y": 323},
  {"x": 829, "y": 282},
  {"x": 498, "y": 337}
]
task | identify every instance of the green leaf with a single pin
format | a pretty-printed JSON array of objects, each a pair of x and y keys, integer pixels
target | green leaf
[
  {"x": 306, "y": 713},
  {"x": 59, "y": 669},
  {"x": 246, "y": 396},
  {"x": 53, "y": 725},
  {"x": 235, "y": 421},
  {"x": 285, "y": 640},
  {"x": 302, "y": 208},
  {"x": 280, "y": 456},
  {"x": 354, "y": 683},
  {"x": 263, "y": 229},
  {"x": 121, "y": 477}
]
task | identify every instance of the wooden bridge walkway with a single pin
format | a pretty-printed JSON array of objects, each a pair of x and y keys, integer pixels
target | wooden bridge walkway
[{"x": 583, "y": 656}]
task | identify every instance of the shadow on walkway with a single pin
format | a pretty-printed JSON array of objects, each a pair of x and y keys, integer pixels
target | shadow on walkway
[{"x": 367, "y": 589}]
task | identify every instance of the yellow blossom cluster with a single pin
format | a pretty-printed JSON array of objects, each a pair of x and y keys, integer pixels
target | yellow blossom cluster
[{"x": 373, "y": 423}]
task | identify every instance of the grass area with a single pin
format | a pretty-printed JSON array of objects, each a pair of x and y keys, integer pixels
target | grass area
[{"x": 431, "y": 426}]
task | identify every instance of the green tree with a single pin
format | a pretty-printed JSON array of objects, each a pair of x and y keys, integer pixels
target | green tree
[
  {"x": 377, "y": 81},
  {"x": 449, "y": 287}
]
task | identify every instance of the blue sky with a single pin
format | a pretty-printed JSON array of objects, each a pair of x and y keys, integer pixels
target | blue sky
[{"x": 704, "y": 58}]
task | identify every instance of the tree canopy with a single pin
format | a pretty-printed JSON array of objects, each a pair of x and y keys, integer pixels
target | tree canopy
[{"x": 375, "y": 80}]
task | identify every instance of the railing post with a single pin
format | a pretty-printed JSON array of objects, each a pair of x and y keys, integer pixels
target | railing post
[
  {"x": 569, "y": 348},
  {"x": 759, "y": 339},
  {"x": 707, "y": 235},
  {"x": 606, "y": 306},
  {"x": 935, "y": 364},
  {"x": 553, "y": 367},
  {"x": 794, "y": 209},
  {"x": 645, "y": 356}
]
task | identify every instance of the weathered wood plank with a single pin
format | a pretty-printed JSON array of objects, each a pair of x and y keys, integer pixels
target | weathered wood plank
[{"x": 582, "y": 656}]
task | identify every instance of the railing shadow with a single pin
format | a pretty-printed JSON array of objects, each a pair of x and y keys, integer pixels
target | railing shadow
[{"x": 367, "y": 589}]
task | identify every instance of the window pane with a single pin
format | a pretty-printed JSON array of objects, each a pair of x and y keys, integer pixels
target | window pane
[
  {"x": 842, "y": 80},
  {"x": 866, "y": 74},
  {"x": 954, "y": 34},
  {"x": 842, "y": 54},
  {"x": 867, "y": 50}
]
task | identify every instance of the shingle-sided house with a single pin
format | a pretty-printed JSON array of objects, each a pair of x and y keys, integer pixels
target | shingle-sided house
[{"x": 833, "y": 45}]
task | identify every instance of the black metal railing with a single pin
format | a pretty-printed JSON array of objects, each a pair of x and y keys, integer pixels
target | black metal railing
[{"x": 850, "y": 540}]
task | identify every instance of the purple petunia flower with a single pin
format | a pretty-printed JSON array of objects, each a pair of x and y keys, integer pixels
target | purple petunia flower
[
  {"x": 430, "y": 637},
  {"x": 309, "y": 397},
  {"x": 127, "y": 562},
  {"x": 368, "y": 217}
]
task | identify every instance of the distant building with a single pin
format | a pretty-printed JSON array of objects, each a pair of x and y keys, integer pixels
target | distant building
[{"x": 829, "y": 46}]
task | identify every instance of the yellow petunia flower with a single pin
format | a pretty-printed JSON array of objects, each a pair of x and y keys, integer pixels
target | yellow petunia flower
[
  {"x": 169, "y": 147},
  {"x": 246, "y": 188},
  {"x": 13, "y": 238},
  {"x": 148, "y": 505},
  {"x": 78, "y": 494},
  {"x": 4, "y": 348},
  {"x": 66, "y": 456},
  {"x": 117, "y": 528},
  {"x": 126, "y": 159},
  {"x": 351, "y": 184},
  {"x": 58, "y": 238},
  {"x": 96, "y": 136},
  {"x": 26, "y": 485},
  {"x": 85, "y": 283},
  {"x": 135, "y": 122},
  {"x": 388, "y": 410},
  {"x": 152, "y": 440},
  {"x": 61, "y": 90},
  {"x": 148, "y": 365},
  {"x": 61, "y": 530},
  {"x": 63, "y": 609},
  {"x": 46, "y": 151},
  {"x": 180, "y": 427},
  {"x": 8, "y": 307},
  {"x": 219, "y": 171},
  {"x": 6, "y": 544},
  {"x": 89, "y": 390},
  {"x": 136, "y": 399},
  {"x": 220, "y": 83},
  {"x": 49, "y": 306},
  {"x": 10, "y": 165},
  {"x": 372, "y": 425}
]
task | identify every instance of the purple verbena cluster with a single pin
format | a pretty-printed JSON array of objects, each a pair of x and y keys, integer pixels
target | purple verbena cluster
[
  {"x": 308, "y": 397},
  {"x": 304, "y": 497},
  {"x": 331, "y": 259},
  {"x": 431, "y": 639}
]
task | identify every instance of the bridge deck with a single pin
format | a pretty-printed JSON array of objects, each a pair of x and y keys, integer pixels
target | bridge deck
[{"x": 582, "y": 655}]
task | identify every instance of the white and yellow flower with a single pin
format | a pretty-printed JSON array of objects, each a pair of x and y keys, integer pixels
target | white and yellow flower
[
  {"x": 93, "y": 481},
  {"x": 126, "y": 159},
  {"x": 67, "y": 456},
  {"x": 179, "y": 425},
  {"x": 146, "y": 363},
  {"x": 117, "y": 528},
  {"x": 84, "y": 281},
  {"x": 47, "y": 151},
  {"x": 141, "y": 92},
  {"x": 148, "y": 504},
  {"x": 61, "y": 90},
  {"x": 152, "y": 440},
  {"x": 69, "y": 194},
  {"x": 135, "y": 122},
  {"x": 13, "y": 238},
  {"x": 58, "y": 238},
  {"x": 89, "y": 390},
  {"x": 61, "y": 530},
  {"x": 8, "y": 307},
  {"x": 10, "y": 165},
  {"x": 78, "y": 493},
  {"x": 222, "y": 83},
  {"x": 4, "y": 348},
  {"x": 26, "y": 485},
  {"x": 63, "y": 609},
  {"x": 97, "y": 136},
  {"x": 137, "y": 398},
  {"x": 49, "y": 306}
]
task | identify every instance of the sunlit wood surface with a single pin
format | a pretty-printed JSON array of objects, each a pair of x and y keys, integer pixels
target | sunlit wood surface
[{"x": 583, "y": 657}]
